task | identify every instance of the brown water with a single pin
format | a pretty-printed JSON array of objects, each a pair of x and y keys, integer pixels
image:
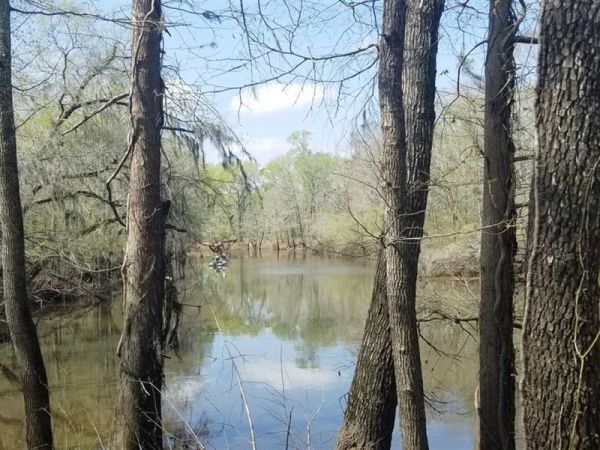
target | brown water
[{"x": 288, "y": 329}]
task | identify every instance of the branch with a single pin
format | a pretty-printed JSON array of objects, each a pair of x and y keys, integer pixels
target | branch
[
  {"x": 181, "y": 130},
  {"x": 121, "y": 21},
  {"x": 74, "y": 176},
  {"x": 526, "y": 40},
  {"x": 70, "y": 195},
  {"x": 522, "y": 158},
  {"x": 436, "y": 315},
  {"x": 97, "y": 225},
  {"x": 87, "y": 117},
  {"x": 169, "y": 226}
]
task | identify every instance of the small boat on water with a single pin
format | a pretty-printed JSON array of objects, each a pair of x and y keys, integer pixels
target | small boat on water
[{"x": 219, "y": 262}]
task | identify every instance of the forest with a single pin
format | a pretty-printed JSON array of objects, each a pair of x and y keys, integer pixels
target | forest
[{"x": 299, "y": 224}]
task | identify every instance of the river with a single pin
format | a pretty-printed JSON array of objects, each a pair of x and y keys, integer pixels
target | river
[{"x": 270, "y": 342}]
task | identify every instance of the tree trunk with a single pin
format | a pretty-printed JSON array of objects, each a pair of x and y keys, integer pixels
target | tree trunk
[
  {"x": 32, "y": 372},
  {"x": 498, "y": 241},
  {"x": 407, "y": 156},
  {"x": 137, "y": 421},
  {"x": 561, "y": 348},
  {"x": 369, "y": 417},
  {"x": 372, "y": 377}
]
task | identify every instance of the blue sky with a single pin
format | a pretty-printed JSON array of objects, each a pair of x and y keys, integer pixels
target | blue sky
[
  {"x": 270, "y": 112},
  {"x": 207, "y": 51}
]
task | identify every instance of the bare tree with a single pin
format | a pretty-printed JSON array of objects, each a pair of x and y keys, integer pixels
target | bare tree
[
  {"x": 561, "y": 332},
  {"x": 32, "y": 372},
  {"x": 498, "y": 241},
  {"x": 137, "y": 421}
]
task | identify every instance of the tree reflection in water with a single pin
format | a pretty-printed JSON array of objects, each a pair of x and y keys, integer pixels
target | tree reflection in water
[{"x": 291, "y": 326}]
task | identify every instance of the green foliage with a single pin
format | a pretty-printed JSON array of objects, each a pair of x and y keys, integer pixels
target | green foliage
[
  {"x": 305, "y": 197},
  {"x": 73, "y": 126},
  {"x": 332, "y": 203}
]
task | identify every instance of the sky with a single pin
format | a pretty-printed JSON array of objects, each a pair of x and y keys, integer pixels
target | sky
[
  {"x": 265, "y": 116},
  {"x": 212, "y": 56}
]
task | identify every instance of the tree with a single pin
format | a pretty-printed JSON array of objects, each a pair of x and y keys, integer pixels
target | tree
[
  {"x": 408, "y": 153},
  {"x": 561, "y": 331},
  {"x": 369, "y": 417},
  {"x": 407, "y": 116},
  {"x": 498, "y": 240},
  {"x": 137, "y": 421},
  {"x": 32, "y": 372}
]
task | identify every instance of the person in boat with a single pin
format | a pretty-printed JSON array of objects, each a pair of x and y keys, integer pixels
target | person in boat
[{"x": 219, "y": 261}]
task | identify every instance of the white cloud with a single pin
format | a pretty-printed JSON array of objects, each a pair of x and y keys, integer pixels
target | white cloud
[
  {"x": 274, "y": 97},
  {"x": 184, "y": 388},
  {"x": 262, "y": 148},
  {"x": 266, "y": 148},
  {"x": 269, "y": 372}
]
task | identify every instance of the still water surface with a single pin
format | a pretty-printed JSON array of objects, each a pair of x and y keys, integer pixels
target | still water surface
[{"x": 275, "y": 338}]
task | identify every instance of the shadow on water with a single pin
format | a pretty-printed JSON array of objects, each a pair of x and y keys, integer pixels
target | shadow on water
[{"x": 287, "y": 329}]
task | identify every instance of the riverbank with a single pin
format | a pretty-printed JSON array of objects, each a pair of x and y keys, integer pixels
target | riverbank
[
  {"x": 52, "y": 295},
  {"x": 457, "y": 258}
]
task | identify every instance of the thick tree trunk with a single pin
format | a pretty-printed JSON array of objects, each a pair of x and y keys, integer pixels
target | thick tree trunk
[
  {"x": 407, "y": 155},
  {"x": 561, "y": 345},
  {"x": 407, "y": 162},
  {"x": 137, "y": 422},
  {"x": 403, "y": 320},
  {"x": 369, "y": 417},
  {"x": 418, "y": 86},
  {"x": 32, "y": 372},
  {"x": 498, "y": 241}
]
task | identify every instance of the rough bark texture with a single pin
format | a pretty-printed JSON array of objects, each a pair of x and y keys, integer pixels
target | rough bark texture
[
  {"x": 498, "y": 241},
  {"x": 368, "y": 422},
  {"x": 407, "y": 153},
  {"x": 32, "y": 371},
  {"x": 403, "y": 321},
  {"x": 137, "y": 422},
  {"x": 369, "y": 417},
  {"x": 561, "y": 380}
]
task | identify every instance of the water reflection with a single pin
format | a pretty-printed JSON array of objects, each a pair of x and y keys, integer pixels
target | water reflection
[{"x": 273, "y": 341}]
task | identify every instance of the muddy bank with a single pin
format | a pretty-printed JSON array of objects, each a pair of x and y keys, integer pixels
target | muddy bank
[
  {"x": 55, "y": 294},
  {"x": 41, "y": 311},
  {"x": 456, "y": 259},
  {"x": 241, "y": 249}
]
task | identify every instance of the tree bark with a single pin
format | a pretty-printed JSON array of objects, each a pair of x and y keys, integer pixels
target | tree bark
[
  {"x": 369, "y": 417},
  {"x": 407, "y": 156},
  {"x": 137, "y": 422},
  {"x": 498, "y": 239},
  {"x": 403, "y": 322},
  {"x": 561, "y": 348},
  {"x": 32, "y": 372}
]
